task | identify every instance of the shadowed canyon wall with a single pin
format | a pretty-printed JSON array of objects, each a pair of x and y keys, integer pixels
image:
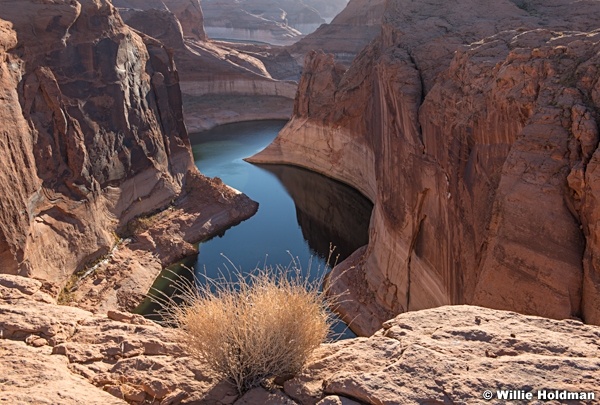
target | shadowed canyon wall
[
  {"x": 92, "y": 136},
  {"x": 472, "y": 126}
]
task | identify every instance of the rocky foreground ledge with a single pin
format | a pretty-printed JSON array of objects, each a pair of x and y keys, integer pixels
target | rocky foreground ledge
[{"x": 60, "y": 354}]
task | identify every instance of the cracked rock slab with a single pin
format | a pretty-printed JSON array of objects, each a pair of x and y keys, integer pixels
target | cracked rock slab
[{"x": 452, "y": 355}]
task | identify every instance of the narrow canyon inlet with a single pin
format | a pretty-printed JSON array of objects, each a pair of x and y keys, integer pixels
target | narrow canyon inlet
[{"x": 301, "y": 215}]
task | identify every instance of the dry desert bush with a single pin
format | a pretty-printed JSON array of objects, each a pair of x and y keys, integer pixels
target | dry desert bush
[{"x": 258, "y": 327}]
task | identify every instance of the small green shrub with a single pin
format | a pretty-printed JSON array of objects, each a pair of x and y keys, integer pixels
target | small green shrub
[{"x": 262, "y": 326}]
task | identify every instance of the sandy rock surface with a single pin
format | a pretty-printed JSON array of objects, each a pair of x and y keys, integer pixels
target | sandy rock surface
[
  {"x": 451, "y": 355},
  {"x": 63, "y": 355}
]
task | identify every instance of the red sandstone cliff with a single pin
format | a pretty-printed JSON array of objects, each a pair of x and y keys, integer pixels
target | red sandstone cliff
[
  {"x": 92, "y": 136},
  {"x": 472, "y": 126}
]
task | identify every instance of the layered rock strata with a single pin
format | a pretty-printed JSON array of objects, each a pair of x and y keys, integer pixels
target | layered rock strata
[
  {"x": 93, "y": 135},
  {"x": 472, "y": 126},
  {"x": 219, "y": 83},
  {"x": 57, "y": 354}
]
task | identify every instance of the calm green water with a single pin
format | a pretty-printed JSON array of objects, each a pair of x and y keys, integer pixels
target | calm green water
[{"x": 301, "y": 213}]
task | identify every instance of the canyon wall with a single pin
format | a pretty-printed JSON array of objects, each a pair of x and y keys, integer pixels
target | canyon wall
[
  {"x": 93, "y": 134},
  {"x": 472, "y": 126}
]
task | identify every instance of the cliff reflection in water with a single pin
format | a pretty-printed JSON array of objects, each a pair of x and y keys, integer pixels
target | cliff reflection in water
[{"x": 327, "y": 211}]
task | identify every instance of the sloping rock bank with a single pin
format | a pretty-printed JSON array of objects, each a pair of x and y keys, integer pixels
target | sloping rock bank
[
  {"x": 57, "y": 354},
  {"x": 473, "y": 127},
  {"x": 121, "y": 281}
]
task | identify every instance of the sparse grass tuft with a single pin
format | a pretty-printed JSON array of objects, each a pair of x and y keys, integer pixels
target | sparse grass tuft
[{"x": 259, "y": 327}]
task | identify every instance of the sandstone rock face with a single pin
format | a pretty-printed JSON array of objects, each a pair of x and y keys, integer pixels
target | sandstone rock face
[
  {"x": 187, "y": 12},
  {"x": 103, "y": 138},
  {"x": 350, "y": 31},
  {"x": 93, "y": 137},
  {"x": 472, "y": 126}
]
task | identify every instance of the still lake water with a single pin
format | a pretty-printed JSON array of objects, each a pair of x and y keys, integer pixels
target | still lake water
[{"x": 300, "y": 214}]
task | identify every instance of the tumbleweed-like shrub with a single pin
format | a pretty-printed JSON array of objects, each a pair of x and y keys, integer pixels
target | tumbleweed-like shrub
[{"x": 261, "y": 326}]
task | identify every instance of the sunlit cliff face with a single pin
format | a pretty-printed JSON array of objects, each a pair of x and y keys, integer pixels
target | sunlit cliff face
[{"x": 479, "y": 158}]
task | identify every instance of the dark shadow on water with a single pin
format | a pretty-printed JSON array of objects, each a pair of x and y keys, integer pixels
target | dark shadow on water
[
  {"x": 163, "y": 285},
  {"x": 328, "y": 212}
]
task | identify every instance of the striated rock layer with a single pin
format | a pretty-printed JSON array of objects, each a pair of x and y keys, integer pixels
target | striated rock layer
[
  {"x": 93, "y": 134},
  {"x": 450, "y": 355},
  {"x": 473, "y": 127}
]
